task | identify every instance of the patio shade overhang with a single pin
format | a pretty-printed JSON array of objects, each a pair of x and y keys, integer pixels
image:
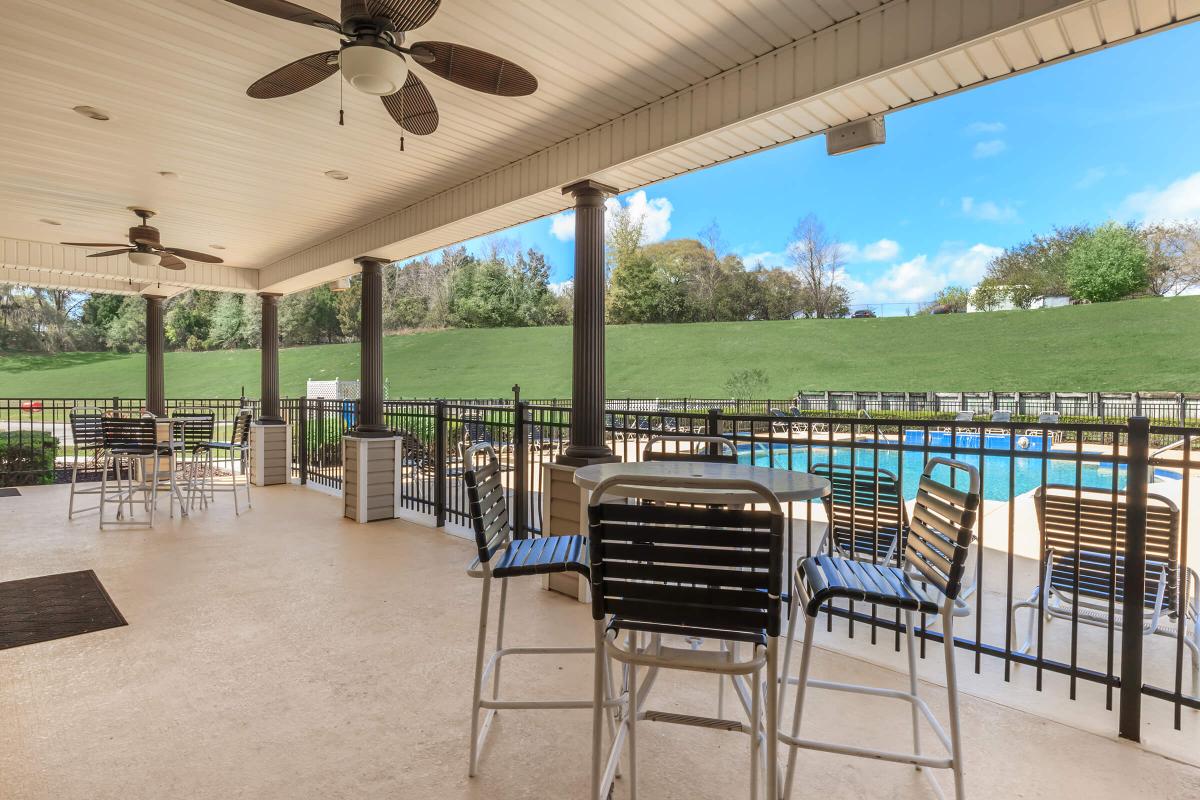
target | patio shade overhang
[{"x": 628, "y": 96}]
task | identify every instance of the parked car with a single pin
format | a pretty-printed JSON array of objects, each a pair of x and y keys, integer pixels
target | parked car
[{"x": 863, "y": 313}]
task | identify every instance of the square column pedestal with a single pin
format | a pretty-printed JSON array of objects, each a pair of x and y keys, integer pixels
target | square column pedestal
[
  {"x": 371, "y": 477},
  {"x": 564, "y": 513},
  {"x": 270, "y": 454}
]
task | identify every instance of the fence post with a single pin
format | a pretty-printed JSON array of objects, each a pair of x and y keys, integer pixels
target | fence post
[
  {"x": 521, "y": 467},
  {"x": 302, "y": 432},
  {"x": 1134, "y": 583},
  {"x": 714, "y": 423},
  {"x": 1182, "y": 411},
  {"x": 439, "y": 463}
]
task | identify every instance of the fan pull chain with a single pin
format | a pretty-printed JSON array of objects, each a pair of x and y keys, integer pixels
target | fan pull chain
[{"x": 341, "y": 109}]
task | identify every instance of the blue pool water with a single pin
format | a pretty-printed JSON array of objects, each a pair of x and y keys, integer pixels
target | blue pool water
[{"x": 1026, "y": 473}]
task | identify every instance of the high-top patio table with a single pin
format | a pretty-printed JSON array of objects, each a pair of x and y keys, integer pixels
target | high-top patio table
[{"x": 786, "y": 485}]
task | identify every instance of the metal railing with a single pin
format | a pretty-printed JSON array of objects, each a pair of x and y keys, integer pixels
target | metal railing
[
  {"x": 1112, "y": 459},
  {"x": 38, "y": 447}
]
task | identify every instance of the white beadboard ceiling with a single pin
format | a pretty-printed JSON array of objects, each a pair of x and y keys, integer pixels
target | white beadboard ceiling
[{"x": 630, "y": 92}]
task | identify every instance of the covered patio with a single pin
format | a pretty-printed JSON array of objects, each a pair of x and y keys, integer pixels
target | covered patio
[
  {"x": 314, "y": 658},
  {"x": 291, "y": 651}
]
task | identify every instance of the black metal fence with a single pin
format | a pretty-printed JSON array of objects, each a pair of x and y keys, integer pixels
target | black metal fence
[
  {"x": 1118, "y": 462},
  {"x": 1070, "y": 595},
  {"x": 38, "y": 447}
]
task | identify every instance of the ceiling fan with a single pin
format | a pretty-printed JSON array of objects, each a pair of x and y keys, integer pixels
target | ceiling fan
[
  {"x": 145, "y": 249},
  {"x": 372, "y": 58}
]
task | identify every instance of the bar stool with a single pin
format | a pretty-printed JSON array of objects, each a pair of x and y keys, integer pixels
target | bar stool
[
  {"x": 87, "y": 437},
  {"x": 689, "y": 571},
  {"x": 935, "y": 554},
  {"x": 234, "y": 453},
  {"x": 193, "y": 430},
  {"x": 128, "y": 443},
  {"x": 501, "y": 557}
]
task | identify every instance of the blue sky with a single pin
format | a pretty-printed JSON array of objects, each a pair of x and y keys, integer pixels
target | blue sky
[{"x": 1111, "y": 135}]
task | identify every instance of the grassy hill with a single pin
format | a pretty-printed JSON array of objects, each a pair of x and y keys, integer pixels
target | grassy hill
[{"x": 1148, "y": 345}]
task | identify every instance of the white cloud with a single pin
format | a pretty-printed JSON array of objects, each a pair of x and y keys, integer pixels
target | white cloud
[
  {"x": 920, "y": 278},
  {"x": 987, "y": 211},
  {"x": 986, "y": 127},
  {"x": 562, "y": 226},
  {"x": 654, "y": 213},
  {"x": 882, "y": 250},
  {"x": 1178, "y": 201},
  {"x": 561, "y": 286},
  {"x": 767, "y": 258},
  {"x": 989, "y": 148}
]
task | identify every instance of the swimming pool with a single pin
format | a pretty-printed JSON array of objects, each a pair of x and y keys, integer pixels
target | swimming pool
[{"x": 1026, "y": 473}]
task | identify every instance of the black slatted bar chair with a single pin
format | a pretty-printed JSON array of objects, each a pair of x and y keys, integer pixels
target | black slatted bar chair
[
  {"x": 87, "y": 437},
  {"x": 708, "y": 572},
  {"x": 129, "y": 444},
  {"x": 935, "y": 555},
  {"x": 192, "y": 433},
  {"x": 866, "y": 512},
  {"x": 502, "y": 557},
  {"x": 234, "y": 454}
]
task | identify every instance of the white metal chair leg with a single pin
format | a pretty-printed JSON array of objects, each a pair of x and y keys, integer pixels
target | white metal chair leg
[
  {"x": 952, "y": 691},
  {"x": 499, "y": 638},
  {"x": 599, "y": 667},
  {"x": 911, "y": 643},
  {"x": 103, "y": 489},
  {"x": 631, "y": 726},
  {"x": 477, "y": 688},
  {"x": 810, "y": 627},
  {"x": 772, "y": 722},
  {"x": 755, "y": 727}
]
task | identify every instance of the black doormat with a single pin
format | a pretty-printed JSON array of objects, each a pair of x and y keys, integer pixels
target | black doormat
[
  {"x": 9, "y": 491},
  {"x": 54, "y": 607}
]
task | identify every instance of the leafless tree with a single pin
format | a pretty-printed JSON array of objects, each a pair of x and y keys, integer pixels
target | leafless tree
[
  {"x": 1173, "y": 251},
  {"x": 817, "y": 261}
]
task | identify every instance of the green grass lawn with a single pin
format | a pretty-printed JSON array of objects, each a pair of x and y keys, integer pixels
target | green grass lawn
[{"x": 1147, "y": 345}]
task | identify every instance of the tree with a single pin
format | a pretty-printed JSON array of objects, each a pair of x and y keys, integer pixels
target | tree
[
  {"x": 746, "y": 384},
  {"x": 126, "y": 332},
  {"x": 1173, "y": 257},
  {"x": 309, "y": 317},
  {"x": 642, "y": 291},
  {"x": 951, "y": 299},
  {"x": 783, "y": 294},
  {"x": 623, "y": 239},
  {"x": 1029, "y": 271},
  {"x": 226, "y": 332},
  {"x": 817, "y": 261},
  {"x": 1108, "y": 264}
]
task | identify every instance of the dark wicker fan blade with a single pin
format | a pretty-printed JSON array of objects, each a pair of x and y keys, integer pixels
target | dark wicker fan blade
[
  {"x": 476, "y": 69},
  {"x": 93, "y": 244},
  {"x": 171, "y": 262},
  {"x": 295, "y": 77},
  {"x": 193, "y": 255},
  {"x": 404, "y": 14},
  {"x": 412, "y": 107},
  {"x": 110, "y": 252},
  {"x": 289, "y": 11}
]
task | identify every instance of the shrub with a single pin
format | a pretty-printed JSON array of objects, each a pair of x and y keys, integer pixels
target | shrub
[{"x": 27, "y": 458}]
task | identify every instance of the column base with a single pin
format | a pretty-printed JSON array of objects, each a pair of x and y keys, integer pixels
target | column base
[
  {"x": 370, "y": 476},
  {"x": 270, "y": 453},
  {"x": 564, "y": 513}
]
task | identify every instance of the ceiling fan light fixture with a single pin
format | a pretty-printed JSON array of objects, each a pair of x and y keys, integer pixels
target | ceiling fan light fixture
[
  {"x": 372, "y": 69},
  {"x": 143, "y": 259}
]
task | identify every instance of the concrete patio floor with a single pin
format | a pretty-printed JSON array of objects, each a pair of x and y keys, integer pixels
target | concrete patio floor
[{"x": 291, "y": 654}]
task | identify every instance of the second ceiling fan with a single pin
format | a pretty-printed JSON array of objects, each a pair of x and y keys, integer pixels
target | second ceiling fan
[{"x": 373, "y": 59}]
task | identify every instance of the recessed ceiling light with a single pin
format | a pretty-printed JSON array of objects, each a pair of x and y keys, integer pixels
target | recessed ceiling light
[
  {"x": 337, "y": 175},
  {"x": 49, "y": 221},
  {"x": 91, "y": 112},
  {"x": 217, "y": 246},
  {"x": 171, "y": 176}
]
